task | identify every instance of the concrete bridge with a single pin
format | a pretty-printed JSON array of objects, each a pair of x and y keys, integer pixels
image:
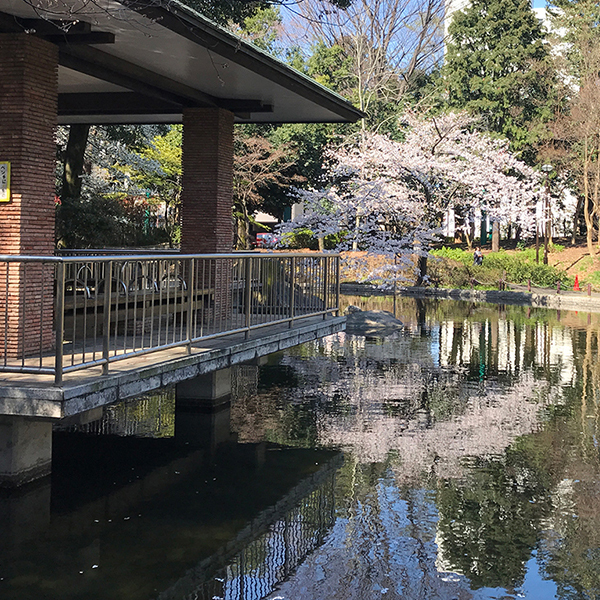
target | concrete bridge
[{"x": 163, "y": 321}]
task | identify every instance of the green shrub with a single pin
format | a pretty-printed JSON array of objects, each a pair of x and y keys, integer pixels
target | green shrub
[
  {"x": 305, "y": 238},
  {"x": 448, "y": 273},
  {"x": 515, "y": 268},
  {"x": 106, "y": 221},
  {"x": 302, "y": 238},
  {"x": 455, "y": 254}
]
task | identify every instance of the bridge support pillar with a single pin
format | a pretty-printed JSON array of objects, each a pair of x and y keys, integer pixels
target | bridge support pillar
[
  {"x": 209, "y": 389},
  {"x": 207, "y": 196},
  {"x": 202, "y": 415},
  {"x": 25, "y": 450}
]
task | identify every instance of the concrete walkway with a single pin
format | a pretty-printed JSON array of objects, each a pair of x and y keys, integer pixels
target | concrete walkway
[{"x": 37, "y": 396}]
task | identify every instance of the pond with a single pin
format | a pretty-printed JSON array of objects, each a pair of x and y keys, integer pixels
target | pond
[{"x": 457, "y": 458}]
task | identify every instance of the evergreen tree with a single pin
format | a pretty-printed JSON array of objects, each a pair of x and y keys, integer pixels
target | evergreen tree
[
  {"x": 225, "y": 12},
  {"x": 493, "y": 68}
]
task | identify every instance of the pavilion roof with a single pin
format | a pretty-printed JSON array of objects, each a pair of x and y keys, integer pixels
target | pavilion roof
[{"x": 144, "y": 61}]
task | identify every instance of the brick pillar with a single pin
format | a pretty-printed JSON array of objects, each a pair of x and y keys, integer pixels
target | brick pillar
[
  {"x": 207, "y": 194},
  {"x": 28, "y": 107}
]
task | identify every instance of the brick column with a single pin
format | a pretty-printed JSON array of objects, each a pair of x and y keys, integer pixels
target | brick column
[
  {"x": 207, "y": 195},
  {"x": 28, "y": 107}
]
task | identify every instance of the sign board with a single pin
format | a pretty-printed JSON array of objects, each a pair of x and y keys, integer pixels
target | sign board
[{"x": 4, "y": 181}]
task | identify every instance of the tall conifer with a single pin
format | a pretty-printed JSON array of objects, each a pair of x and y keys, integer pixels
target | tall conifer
[{"x": 493, "y": 68}]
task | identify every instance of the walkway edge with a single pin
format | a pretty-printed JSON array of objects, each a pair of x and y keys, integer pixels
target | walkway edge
[
  {"x": 72, "y": 398},
  {"x": 564, "y": 301}
]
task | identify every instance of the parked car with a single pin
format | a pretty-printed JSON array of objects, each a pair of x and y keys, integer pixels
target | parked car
[{"x": 266, "y": 240}]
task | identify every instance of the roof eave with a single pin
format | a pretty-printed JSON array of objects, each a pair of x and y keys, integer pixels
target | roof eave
[{"x": 188, "y": 23}]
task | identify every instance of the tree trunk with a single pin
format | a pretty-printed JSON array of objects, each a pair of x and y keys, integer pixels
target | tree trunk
[
  {"x": 355, "y": 240},
  {"x": 242, "y": 227},
  {"x": 588, "y": 211},
  {"x": 74, "y": 160},
  {"x": 422, "y": 270},
  {"x": 471, "y": 235},
  {"x": 589, "y": 223},
  {"x": 596, "y": 192},
  {"x": 576, "y": 220},
  {"x": 495, "y": 236}
]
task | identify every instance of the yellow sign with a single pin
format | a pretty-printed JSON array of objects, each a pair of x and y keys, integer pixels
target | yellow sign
[{"x": 4, "y": 181}]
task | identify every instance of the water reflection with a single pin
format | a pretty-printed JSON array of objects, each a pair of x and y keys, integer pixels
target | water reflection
[
  {"x": 164, "y": 517},
  {"x": 457, "y": 458},
  {"x": 482, "y": 421}
]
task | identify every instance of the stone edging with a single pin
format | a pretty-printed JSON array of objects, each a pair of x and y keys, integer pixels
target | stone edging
[{"x": 566, "y": 301}]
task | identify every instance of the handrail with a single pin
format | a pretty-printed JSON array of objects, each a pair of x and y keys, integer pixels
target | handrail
[
  {"x": 164, "y": 256},
  {"x": 113, "y": 251},
  {"x": 114, "y": 307}
]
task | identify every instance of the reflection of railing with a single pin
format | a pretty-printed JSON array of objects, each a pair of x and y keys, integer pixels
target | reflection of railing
[
  {"x": 110, "y": 308},
  {"x": 150, "y": 416},
  {"x": 270, "y": 548}
]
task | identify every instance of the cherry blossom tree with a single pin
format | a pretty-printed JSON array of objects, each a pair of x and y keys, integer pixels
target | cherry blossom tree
[{"x": 390, "y": 197}]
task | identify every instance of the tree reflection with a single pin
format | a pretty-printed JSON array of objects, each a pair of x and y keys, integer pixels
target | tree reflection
[
  {"x": 471, "y": 445},
  {"x": 489, "y": 527}
]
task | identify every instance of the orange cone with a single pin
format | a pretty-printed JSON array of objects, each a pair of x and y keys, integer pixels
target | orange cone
[{"x": 576, "y": 286}]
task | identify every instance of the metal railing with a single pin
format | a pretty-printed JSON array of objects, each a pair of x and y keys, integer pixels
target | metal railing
[{"x": 62, "y": 314}]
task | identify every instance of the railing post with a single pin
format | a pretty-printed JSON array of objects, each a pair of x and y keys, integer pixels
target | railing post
[
  {"x": 292, "y": 289},
  {"x": 191, "y": 296},
  {"x": 338, "y": 284},
  {"x": 396, "y": 281},
  {"x": 107, "y": 306},
  {"x": 59, "y": 323},
  {"x": 325, "y": 285},
  {"x": 248, "y": 293}
]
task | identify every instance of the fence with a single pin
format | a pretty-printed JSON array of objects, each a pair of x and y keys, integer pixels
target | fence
[{"x": 61, "y": 314}]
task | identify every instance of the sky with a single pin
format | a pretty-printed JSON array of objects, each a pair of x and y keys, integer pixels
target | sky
[{"x": 539, "y": 3}]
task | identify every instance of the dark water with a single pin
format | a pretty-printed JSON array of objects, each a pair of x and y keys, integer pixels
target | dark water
[{"x": 455, "y": 459}]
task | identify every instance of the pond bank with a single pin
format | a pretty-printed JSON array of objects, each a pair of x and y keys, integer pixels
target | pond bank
[{"x": 565, "y": 300}]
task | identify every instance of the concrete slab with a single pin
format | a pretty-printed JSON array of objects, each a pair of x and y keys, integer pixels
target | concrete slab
[{"x": 37, "y": 396}]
